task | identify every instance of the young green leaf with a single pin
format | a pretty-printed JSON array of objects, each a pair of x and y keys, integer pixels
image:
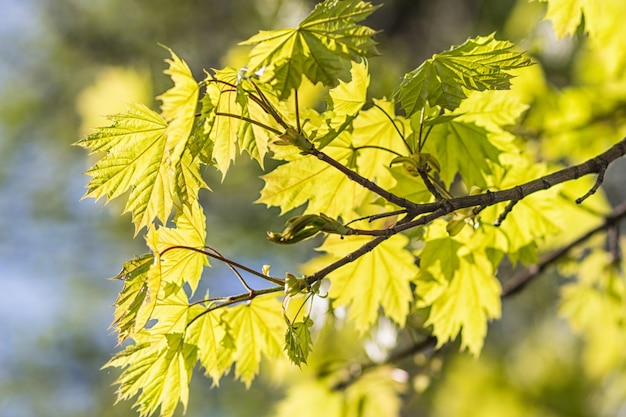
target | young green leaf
[
  {"x": 229, "y": 111},
  {"x": 481, "y": 63},
  {"x": 298, "y": 341},
  {"x": 344, "y": 103},
  {"x": 180, "y": 265},
  {"x": 380, "y": 278},
  {"x": 132, "y": 296},
  {"x": 320, "y": 48},
  {"x": 305, "y": 179},
  {"x": 179, "y": 105},
  {"x": 136, "y": 159},
  {"x": 211, "y": 333},
  {"x": 463, "y": 148},
  {"x": 460, "y": 290},
  {"x": 258, "y": 329},
  {"x": 158, "y": 369}
]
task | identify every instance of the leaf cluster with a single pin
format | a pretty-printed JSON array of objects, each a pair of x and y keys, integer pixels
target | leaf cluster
[{"x": 421, "y": 198}]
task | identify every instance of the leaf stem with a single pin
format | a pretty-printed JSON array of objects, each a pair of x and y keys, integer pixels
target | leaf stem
[
  {"x": 227, "y": 261},
  {"x": 249, "y": 120},
  {"x": 235, "y": 299},
  {"x": 395, "y": 126},
  {"x": 358, "y": 148}
]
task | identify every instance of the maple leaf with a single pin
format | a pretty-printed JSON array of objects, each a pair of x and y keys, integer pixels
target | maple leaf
[
  {"x": 305, "y": 179},
  {"x": 481, "y": 63},
  {"x": 179, "y": 105},
  {"x": 143, "y": 150},
  {"x": 137, "y": 159},
  {"x": 189, "y": 180},
  {"x": 534, "y": 217},
  {"x": 380, "y": 278},
  {"x": 298, "y": 340},
  {"x": 320, "y": 48},
  {"x": 228, "y": 110},
  {"x": 258, "y": 329},
  {"x": 171, "y": 310},
  {"x": 158, "y": 369},
  {"x": 344, "y": 103},
  {"x": 211, "y": 333},
  {"x": 459, "y": 288},
  {"x": 131, "y": 298},
  {"x": 180, "y": 265},
  {"x": 464, "y": 148}
]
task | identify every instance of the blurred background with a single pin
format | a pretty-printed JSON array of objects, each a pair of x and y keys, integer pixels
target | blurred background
[{"x": 66, "y": 63}]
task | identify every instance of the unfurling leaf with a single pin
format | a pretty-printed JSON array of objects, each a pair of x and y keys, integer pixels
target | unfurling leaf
[
  {"x": 303, "y": 227},
  {"x": 298, "y": 341}
]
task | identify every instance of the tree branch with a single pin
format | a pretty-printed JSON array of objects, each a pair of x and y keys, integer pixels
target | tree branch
[{"x": 519, "y": 281}]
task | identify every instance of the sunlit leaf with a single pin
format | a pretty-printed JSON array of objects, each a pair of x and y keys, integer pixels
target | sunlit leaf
[
  {"x": 136, "y": 159},
  {"x": 463, "y": 148},
  {"x": 460, "y": 290},
  {"x": 298, "y": 341},
  {"x": 320, "y": 48},
  {"x": 258, "y": 329},
  {"x": 481, "y": 63},
  {"x": 157, "y": 370},
  {"x": 305, "y": 179},
  {"x": 181, "y": 264},
  {"x": 380, "y": 278},
  {"x": 211, "y": 333},
  {"x": 179, "y": 105},
  {"x": 229, "y": 111},
  {"x": 132, "y": 296},
  {"x": 344, "y": 102}
]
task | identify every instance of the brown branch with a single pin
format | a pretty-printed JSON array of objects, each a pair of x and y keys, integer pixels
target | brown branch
[
  {"x": 362, "y": 181},
  {"x": 513, "y": 286},
  {"x": 519, "y": 281},
  {"x": 226, "y": 261},
  {"x": 428, "y": 343},
  {"x": 234, "y": 299},
  {"x": 594, "y": 165}
]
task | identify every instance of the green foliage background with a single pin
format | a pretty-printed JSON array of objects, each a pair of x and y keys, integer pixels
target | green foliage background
[{"x": 525, "y": 368}]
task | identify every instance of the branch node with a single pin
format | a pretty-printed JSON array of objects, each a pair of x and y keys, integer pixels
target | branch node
[
  {"x": 505, "y": 213},
  {"x": 595, "y": 187}
]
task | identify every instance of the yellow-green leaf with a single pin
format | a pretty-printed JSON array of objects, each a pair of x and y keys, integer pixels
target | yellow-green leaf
[
  {"x": 258, "y": 329},
  {"x": 320, "y": 48},
  {"x": 158, "y": 369},
  {"x": 463, "y": 148},
  {"x": 131, "y": 298},
  {"x": 305, "y": 179},
  {"x": 181, "y": 265},
  {"x": 380, "y": 278},
  {"x": 179, "y": 105},
  {"x": 210, "y": 332},
  {"x": 459, "y": 287},
  {"x": 481, "y": 63},
  {"x": 136, "y": 159}
]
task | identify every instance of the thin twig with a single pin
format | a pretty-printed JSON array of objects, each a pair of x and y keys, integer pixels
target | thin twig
[
  {"x": 227, "y": 261},
  {"x": 519, "y": 281},
  {"x": 395, "y": 126},
  {"x": 249, "y": 120}
]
